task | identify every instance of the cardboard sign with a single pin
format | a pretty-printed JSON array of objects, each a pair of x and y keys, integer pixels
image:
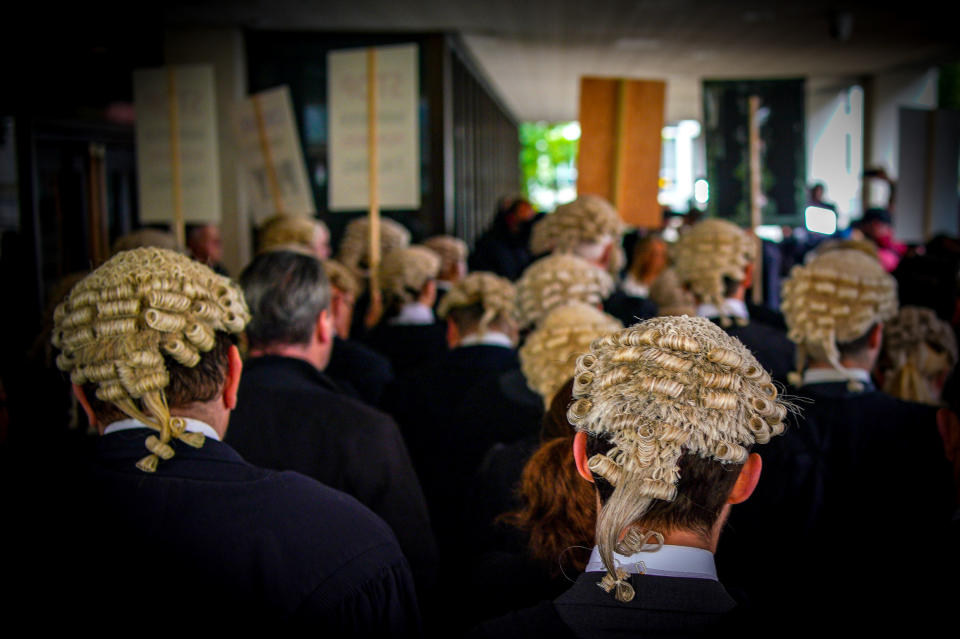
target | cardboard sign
[
  {"x": 270, "y": 150},
  {"x": 189, "y": 115},
  {"x": 398, "y": 137}
]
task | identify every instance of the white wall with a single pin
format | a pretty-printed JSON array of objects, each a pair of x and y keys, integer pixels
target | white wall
[
  {"x": 890, "y": 92},
  {"x": 834, "y": 131}
]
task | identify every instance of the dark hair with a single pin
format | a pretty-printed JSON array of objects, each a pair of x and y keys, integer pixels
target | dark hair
[
  {"x": 554, "y": 422},
  {"x": 201, "y": 383},
  {"x": 702, "y": 491},
  {"x": 559, "y": 508},
  {"x": 286, "y": 292},
  {"x": 856, "y": 346},
  {"x": 467, "y": 318}
]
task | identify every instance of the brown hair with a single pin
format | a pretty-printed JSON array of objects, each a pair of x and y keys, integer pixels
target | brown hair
[
  {"x": 560, "y": 509},
  {"x": 201, "y": 383}
]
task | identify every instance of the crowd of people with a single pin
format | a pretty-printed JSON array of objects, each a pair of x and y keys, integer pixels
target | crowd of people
[{"x": 538, "y": 438}]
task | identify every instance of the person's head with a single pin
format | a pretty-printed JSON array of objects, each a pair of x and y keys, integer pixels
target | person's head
[
  {"x": 670, "y": 296},
  {"x": 817, "y": 192},
  {"x": 452, "y": 252},
  {"x": 549, "y": 354},
  {"x": 145, "y": 238},
  {"x": 147, "y": 335},
  {"x": 666, "y": 413},
  {"x": 478, "y": 303},
  {"x": 589, "y": 227},
  {"x": 557, "y": 279},
  {"x": 354, "y": 250},
  {"x": 205, "y": 243},
  {"x": 919, "y": 351},
  {"x": 835, "y": 306},
  {"x": 306, "y": 232},
  {"x": 407, "y": 276},
  {"x": 289, "y": 298},
  {"x": 344, "y": 289},
  {"x": 512, "y": 212},
  {"x": 877, "y": 224},
  {"x": 714, "y": 260},
  {"x": 649, "y": 259}
]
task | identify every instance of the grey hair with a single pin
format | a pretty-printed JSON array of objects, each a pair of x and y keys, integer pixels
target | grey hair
[{"x": 286, "y": 292}]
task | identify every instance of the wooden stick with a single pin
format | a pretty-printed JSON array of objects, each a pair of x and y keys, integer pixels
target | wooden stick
[
  {"x": 755, "y": 213},
  {"x": 273, "y": 183},
  {"x": 179, "y": 226},
  {"x": 373, "y": 171}
]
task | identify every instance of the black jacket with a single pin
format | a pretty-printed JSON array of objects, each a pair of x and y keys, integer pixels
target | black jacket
[
  {"x": 290, "y": 416},
  {"x": 359, "y": 368}
]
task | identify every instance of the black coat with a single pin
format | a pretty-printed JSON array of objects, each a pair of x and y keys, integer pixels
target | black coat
[
  {"x": 771, "y": 347},
  {"x": 408, "y": 346},
  {"x": 856, "y": 478},
  {"x": 424, "y": 403},
  {"x": 290, "y": 416},
  {"x": 209, "y": 541},
  {"x": 662, "y": 607},
  {"x": 359, "y": 368},
  {"x": 629, "y": 309}
]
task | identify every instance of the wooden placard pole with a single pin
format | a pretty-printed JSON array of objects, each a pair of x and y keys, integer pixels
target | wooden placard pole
[
  {"x": 755, "y": 218},
  {"x": 179, "y": 227},
  {"x": 373, "y": 165},
  {"x": 273, "y": 183}
]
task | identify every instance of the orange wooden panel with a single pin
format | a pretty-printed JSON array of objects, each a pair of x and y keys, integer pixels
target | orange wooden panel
[
  {"x": 621, "y": 123},
  {"x": 598, "y": 125}
]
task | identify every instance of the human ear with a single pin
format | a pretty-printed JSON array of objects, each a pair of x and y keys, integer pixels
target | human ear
[
  {"x": 87, "y": 408},
  {"x": 232, "y": 382},
  {"x": 747, "y": 480},
  {"x": 580, "y": 456}
]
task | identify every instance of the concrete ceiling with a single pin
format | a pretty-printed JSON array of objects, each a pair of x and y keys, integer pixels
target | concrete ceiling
[{"x": 534, "y": 52}]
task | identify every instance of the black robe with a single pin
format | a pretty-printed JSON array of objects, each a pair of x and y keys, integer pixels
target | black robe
[
  {"x": 208, "y": 542},
  {"x": 290, "y": 416},
  {"x": 359, "y": 368}
]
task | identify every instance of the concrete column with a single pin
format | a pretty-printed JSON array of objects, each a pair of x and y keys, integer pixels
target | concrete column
[{"x": 223, "y": 48}]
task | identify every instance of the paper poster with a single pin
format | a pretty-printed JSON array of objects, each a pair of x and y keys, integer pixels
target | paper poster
[
  {"x": 398, "y": 123},
  {"x": 196, "y": 130},
  {"x": 270, "y": 150}
]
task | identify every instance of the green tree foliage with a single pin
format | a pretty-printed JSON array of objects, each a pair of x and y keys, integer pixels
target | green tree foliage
[{"x": 548, "y": 155}]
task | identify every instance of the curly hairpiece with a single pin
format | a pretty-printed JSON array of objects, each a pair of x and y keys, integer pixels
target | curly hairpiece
[
  {"x": 548, "y": 357},
  {"x": 495, "y": 294},
  {"x": 282, "y": 230},
  {"x": 404, "y": 272},
  {"x": 354, "y": 252},
  {"x": 555, "y": 280},
  {"x": 115, "y": 322},
  {"x": 586, "y": 220},
  {"x": 710, "y": 251},
  {"x": 917, "y": 346},
  {"x": 658, "y": 390},
  {"x": 835, "y": 298}
]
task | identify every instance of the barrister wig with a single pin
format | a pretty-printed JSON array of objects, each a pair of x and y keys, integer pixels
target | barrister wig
[
  {"x": 917, "y": 346},
  {"x": 354, "y": 250},
  {"x": 707, "y": 253},
  {"x": 835, "y": 298},
  {"x": 550, "y": 353},
  {"x": 451, "y": 250},
  {"x": 555, "y": 280},
  {"x": 341, "y": 278},
  {"x": 658, "y": 390},
  {"x": 670, "y": 297},
  {"x": 586, "y": 220},
  {"x": 281, "y": 230},
  {"x": 119, "y": 322},
  {"x": 495, "y": 294},
  {"x": 404, "y": 272}
]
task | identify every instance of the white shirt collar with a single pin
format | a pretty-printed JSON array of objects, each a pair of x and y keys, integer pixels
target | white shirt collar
[
  {"x": 667, "y": 561},
  {"x": 193, "y": 426},
  {"x": 414, "y": 313},
  {"x": 632, "y": 287},
  {"x": 732, "y": 308},
  {"x": 828, "y": 375},
  {"x": 490, "y": 338}
]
